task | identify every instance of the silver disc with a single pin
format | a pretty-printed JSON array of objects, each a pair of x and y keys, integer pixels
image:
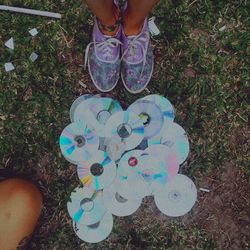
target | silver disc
[
  {"x": 86, "y": 206},
  {"x": 150, "y": 114},
  {"x": 127, "y": 126},
  {"x": 117, "y": 204},
  {"x": 177, "y": 197},
  {"x": 173, "y": 136},
  {"x": 78, "y": 141},
  {"x": 97, "y": 232},
  {"x": 98, "y": 172},
  {"x": 75, "y": 104}
]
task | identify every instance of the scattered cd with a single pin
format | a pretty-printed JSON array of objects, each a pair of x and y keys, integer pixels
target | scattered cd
[
  {"x": 177, "y": 197},
  {"x": 151, "y": 116},
  {"x": 96, "y": 232},
  {"x": 98, "y": 172},
  {"x": 78, "y": 141},
  {"x": 167, "y": 156},
  {"x": 173, "y": 136},
  {"x": 117, "y": 204},
  {"x": 79, "y": 100},
  {"x": 115, "y": 148},
  {"x": 86, "y": 206},
  {"x": 97, "y": 111},
  {"x": 127, "y": 126},
  {"x": 164, "y": 104},
  {"x": 132, "y": 186},
  {"x": 153, "y": 171}
]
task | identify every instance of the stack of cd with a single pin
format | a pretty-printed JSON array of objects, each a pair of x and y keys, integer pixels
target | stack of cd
[{"x": 121, "y": 157}]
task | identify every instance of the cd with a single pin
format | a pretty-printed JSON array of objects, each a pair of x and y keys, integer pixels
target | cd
[
  {"x": 127, "y": 126},
  {"x": 98, "y": 172},
  {"x": 153, "y": 172},
  {"x": 151, "y": 116},
  {"x": 96, "y": 232},
  {"x": 132, "y": 185},
  {"x": 118, "y": 205},
  {"x": 178, "y": 196},
  {"x": 164, "y": 104},
  {"x": 86, "y": 206},
  {"x": 114, "y": 147},
  {"x": 79, "y": 100},
  {"x": 173, "y": 136},
  {"x": 96, "y": 111},
  {"x": 167, "y": 156},
  {"x": 78, "y": 141}
]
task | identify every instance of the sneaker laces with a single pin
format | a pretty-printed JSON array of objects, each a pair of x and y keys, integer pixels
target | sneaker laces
[
  {"x": 106, "y": 47},
  {"x": 138, "y": 41}
]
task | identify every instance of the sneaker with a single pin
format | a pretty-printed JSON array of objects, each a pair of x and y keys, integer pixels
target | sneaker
[
  {"x": 137, "y": 60},
  {"x": 103, "y": 59}
]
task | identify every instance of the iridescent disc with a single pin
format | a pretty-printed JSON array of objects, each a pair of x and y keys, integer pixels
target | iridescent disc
[
  {"x": 127, "y": 126},
  {"x": 167, "y": 156},
  {"x": 131, "y": 186},
  {"x": 78, "y": 141},
  {"x": 77, "y": 102},
  {"x": 173, "y": 136},
  {"x": 150, "y": 114},
  {"x": 97, "y": 111},
  {"x": 118, "y": 205},
  {"x": 177, "y": 197},
  {"x": 153, "y": 172},
  {"x": 86, "y": 206},
  {"x": 164, "y": 104},
  {"x": 114, "y": 147},
  {"x": 97, "y": 232},
  {"x": 98, "y": 172}
]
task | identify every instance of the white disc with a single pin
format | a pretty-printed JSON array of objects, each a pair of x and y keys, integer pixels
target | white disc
[
  {"x": 86, "y": 206},
  {"x": 167, "y": 156},
  {"x": 117, "y": 204},
  {"x": 151, "y": 115},
  {"x": 178, "y": 196},
  {"x": 173, "y": 136},
  {"x": 98, "y": 172},
  {"x": 132, "y": 185},
  {"x": 164, "y": 104},
  {"x": 78, "y": 141},
  {"x": 127, "y": 126},
  {"x": 96, "y": 111},
  {"x": 97, "y": 232},
  {"x": 75, "y": 104}
]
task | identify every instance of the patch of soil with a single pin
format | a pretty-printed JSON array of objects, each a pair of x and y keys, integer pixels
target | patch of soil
[{"x": 224, "y": 212}]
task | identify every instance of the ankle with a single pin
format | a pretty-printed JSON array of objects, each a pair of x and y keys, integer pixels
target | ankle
[
  {"x": 111, "y": 24},
  {"x": 130, "y": 26}
]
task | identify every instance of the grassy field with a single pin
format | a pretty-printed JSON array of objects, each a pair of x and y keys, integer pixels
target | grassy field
[{"x": 202, "y": 66}]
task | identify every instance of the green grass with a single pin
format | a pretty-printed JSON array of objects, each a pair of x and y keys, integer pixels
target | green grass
[{"x": 203, "y": 71}]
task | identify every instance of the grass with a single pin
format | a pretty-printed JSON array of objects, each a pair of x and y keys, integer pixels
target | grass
[{"x": 202, "y": 70}]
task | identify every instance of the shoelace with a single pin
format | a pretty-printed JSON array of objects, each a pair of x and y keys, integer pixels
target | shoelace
[
  {"x": 106, "y": 46},
  {"x": 137, "y": 41}
]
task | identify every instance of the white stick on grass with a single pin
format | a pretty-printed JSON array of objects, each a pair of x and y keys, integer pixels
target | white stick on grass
[{"x": 31, "y": 11}]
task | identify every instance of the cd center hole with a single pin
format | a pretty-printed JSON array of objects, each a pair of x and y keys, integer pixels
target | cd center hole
[
  {"x": 132, "y": 161},
  {"x": 87, "y": 204},
  {"x": 119, "y": 198},
  {"x": 80, "y": 140},
  {"x": 96, "y": 169},
  {"x": 94, "y": 226},
  {"x": 103, "y": 116},
  {"x": 124, "y": 130},
  {"x": 145, "y": 118}
]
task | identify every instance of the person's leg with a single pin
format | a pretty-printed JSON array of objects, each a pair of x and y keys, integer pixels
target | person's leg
[
  {"x": 135, "y": 14},
  {"x": 106, "y": 11},
  {"x": 20, "y": 208}
]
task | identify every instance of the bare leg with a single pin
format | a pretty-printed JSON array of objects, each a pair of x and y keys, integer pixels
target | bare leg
[
  {"x": 135, "y": 15},
  {"x": 105, "y": 10}
]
